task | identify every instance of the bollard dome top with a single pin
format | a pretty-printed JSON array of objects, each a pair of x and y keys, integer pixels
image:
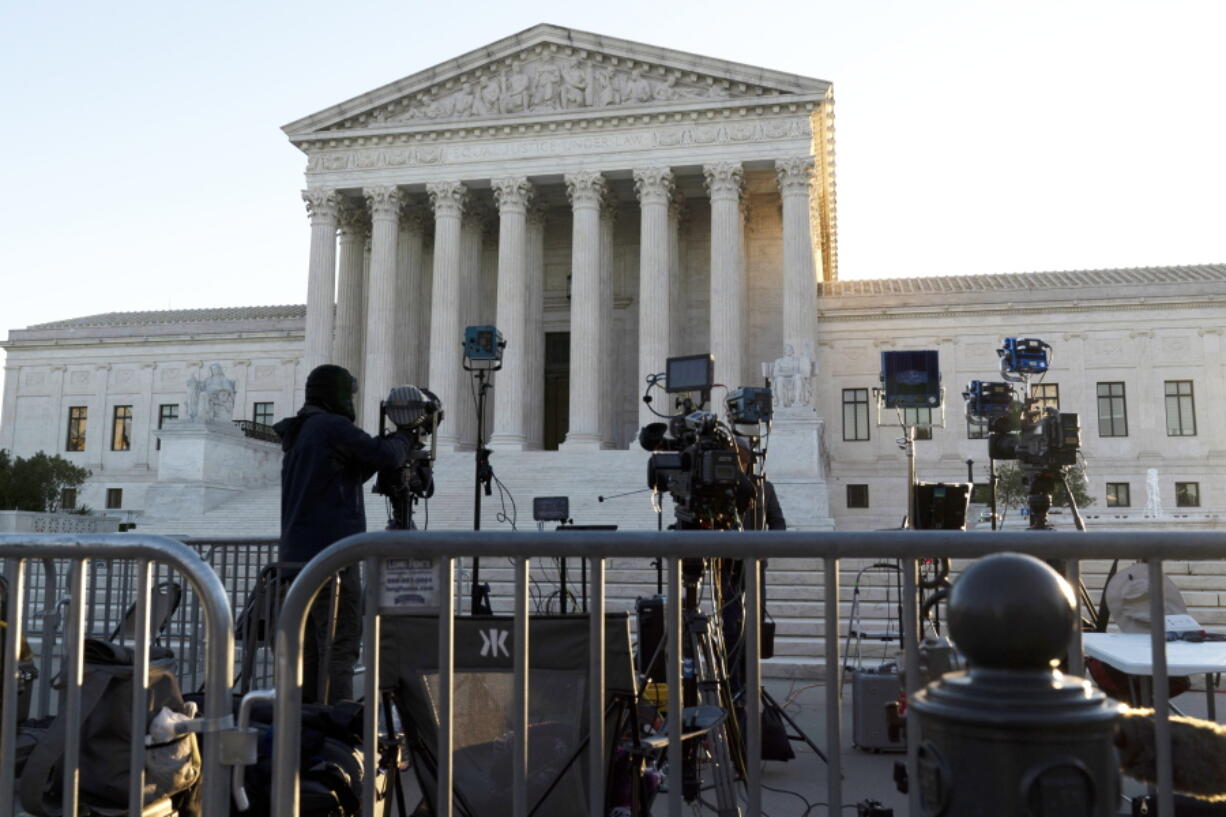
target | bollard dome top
[{"x": 1012, "y": 611}]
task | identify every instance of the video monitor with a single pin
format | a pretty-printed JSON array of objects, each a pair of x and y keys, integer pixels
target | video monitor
[{"x": 690, "y": 373}]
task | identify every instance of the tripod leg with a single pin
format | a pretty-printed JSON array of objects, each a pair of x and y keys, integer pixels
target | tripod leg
[
  {"x": 712, "y": 691},
  {"x": 771, "y": 703},
  {"x": 397, "y": 783}
]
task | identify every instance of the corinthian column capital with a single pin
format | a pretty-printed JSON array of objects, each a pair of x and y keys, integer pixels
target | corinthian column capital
[
  {"x": 321, "y": 204},
  {"x": 586, "y": 188},
  {"x": 413, "y": 216},
  {"x": 654, "y": 185},
  {"x": 724, "y": 179},
  {"x": 538, "y": 213},
  {"x": 795, "y": 174},
  {"x": 447, "y": 198},
  {"x": 353, "y": 218},
  {"x": 383, "y": 201},
  {"x": 512, "y": 193}
]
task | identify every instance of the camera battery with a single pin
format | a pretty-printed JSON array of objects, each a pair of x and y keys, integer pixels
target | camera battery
[{"x": 871, "y": 690}]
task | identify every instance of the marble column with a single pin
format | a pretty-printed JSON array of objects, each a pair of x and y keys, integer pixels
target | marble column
[
  {"x": 800, "y": 265},
  {"x": 513, "y": 196},
  {"x": 725, "y": 181},
  {"x": 321, "y": 276},
  {"x": 677, "y": 302},
  {"x": 382, "y": 310},
  {"x": 654, "y": 187},
  {"x": 585, "y": 189},
  {"x": 412, "y": 302},
  {"x": 446, "y": 357},
  {"x": 534, "y": 331},
  {"x": 350, "y": 299},
  {"x": 472, "y": 239},
  {"x": 609, "y": 370}
]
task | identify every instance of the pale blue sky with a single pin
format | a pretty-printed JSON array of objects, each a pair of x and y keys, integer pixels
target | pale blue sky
[{"x": 144, "y": 166}]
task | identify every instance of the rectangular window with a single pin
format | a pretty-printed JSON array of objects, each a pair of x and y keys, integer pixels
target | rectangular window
[
  {"x": 976, "y": 429},
  {"x": 921, "y": 418},
  {"x": 1187, "y": 494},
  {"x": 121, "y": 428},
  {"x": 77, "y": 417},
  {"x": 1180, "y": 409},
  {"x": 166, "y": 413},
  {"x": 68, "y": 499},
  {"x": 1045, "y": 395},
  {"x": 857, "y": 496},
  {"x": 855, "y": 414},
  {"x": 1112, "y": 411},
  {"x": 1118, "y": 495},
  {"x": 262, "y": 413},
  {"x": 114, "y": 498}
]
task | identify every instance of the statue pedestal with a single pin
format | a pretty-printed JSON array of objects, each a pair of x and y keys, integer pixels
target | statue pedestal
[
  {"x": 202, "y": 464},
  {"x": 795, "y": 467}
]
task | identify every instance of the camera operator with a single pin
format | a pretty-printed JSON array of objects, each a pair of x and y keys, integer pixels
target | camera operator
[{"x": 326, "y": 462}]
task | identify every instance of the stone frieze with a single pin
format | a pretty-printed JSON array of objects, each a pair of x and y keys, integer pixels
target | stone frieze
[{"x": 372, "y": 158}]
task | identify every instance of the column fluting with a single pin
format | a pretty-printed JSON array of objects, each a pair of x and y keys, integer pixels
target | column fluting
[
  {"x": 800, "y": 267},
  {"x": 321, "y": 275},
  {"x": 654, "y": 187},
  {"x": 585, "y": 190},
  {"x": 350, "y": 297},
  {"x": 725, "y": 182},
  {"x": 382, "y": 309},
  {"x": 446, "y": 357},
  {"x": 513, "y": 196},
  {"x": 534, "y": 332},
  {"x": 412, "y": 361},
  {"x": 472, "y": 239},
  {"x": 606, "y": 354}
]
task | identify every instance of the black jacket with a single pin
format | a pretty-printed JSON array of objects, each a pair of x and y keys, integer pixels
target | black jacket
[{"x": 327, "y": 460}]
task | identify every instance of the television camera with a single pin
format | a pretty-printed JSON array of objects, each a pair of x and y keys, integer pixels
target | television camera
[
  {"x": 695, "y": 456},
  {"x": 414, "y": 413},
  {"x": 1043, "y": 440}
]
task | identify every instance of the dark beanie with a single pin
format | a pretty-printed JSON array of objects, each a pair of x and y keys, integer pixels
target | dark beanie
[{"x": 331, "y": 388}]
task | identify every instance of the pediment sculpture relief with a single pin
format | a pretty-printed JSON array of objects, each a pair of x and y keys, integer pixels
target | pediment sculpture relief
[{"x": 549, "y": 84}]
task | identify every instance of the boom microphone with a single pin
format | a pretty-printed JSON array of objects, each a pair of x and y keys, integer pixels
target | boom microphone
[{"x": 1198, "y": 753}]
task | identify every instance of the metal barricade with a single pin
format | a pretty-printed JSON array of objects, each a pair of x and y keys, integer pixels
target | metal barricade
[
  {"x": 236, "y": 561},
  {"x": 145, "y": 553},
  {"x": 595, "y": 546}
]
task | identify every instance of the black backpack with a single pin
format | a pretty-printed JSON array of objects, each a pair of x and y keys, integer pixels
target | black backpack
[
  {"x": 331, "y": 767},
  {"x": 172, "y": 769}
]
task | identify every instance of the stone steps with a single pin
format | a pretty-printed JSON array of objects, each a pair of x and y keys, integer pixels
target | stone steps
[{"x": 795, "y": 587}]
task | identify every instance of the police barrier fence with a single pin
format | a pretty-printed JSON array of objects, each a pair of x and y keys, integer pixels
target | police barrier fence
[
  {"x": 909, "y": 546},
  {"x": 236, "y": 561},
  {"x": 71, "y": 556}
]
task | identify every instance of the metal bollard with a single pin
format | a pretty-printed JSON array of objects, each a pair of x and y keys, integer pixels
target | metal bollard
[{"x": 1012, "y": 736}]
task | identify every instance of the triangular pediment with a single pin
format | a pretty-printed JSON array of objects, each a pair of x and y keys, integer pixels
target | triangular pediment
[{"x": 549, "y": 71}]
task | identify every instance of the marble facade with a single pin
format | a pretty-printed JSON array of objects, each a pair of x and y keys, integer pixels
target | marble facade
[{"x": 652, "y": 170}]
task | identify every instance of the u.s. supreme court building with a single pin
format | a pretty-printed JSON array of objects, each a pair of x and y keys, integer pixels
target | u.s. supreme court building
[{"x": 608, "y": 204}]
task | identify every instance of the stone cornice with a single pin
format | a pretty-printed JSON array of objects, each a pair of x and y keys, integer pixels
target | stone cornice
[
  {"x": 602, "y": 121},
  {"x": 911, "y": 312},
  {"x": 18, "y": 346}
]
